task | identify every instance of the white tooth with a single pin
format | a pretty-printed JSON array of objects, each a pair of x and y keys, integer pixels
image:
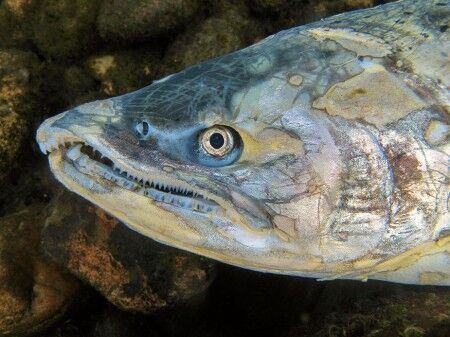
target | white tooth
[
  {"x": 52, "y": 144},
  {"x": 43, "y": 148},
  {"x": 74, "y": 152},
  {"x": 83, "y": 160}
]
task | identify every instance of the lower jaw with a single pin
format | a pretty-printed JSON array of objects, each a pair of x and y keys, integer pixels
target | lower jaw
[{"x": 96, "y": 177}]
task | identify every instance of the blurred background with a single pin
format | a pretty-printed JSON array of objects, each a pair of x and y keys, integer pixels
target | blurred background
[{"x": 69, "y": 269}]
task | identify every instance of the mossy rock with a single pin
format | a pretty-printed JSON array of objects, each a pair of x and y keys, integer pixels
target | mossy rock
[
  {"x": 34, "y": 293},
  {"x": 15, "y": 23},
  {"x": 229, "y": 29},
  {"x": 132, "y": 272},
  {"x": 120, "y": 72},
  {"x": 66, "y": 28},
  {"x": 131, "y": 20},
  {"x": 18, "y": 98}
]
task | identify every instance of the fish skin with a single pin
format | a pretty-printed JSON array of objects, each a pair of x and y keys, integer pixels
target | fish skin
[{"x": 343, "y": 170}]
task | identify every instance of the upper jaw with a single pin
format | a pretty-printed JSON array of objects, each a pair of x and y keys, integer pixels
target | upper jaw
[
  {"x": 87, "y": 159},
  {"x": 143, "y": 178},
  {"x": 50, "y": 137}
]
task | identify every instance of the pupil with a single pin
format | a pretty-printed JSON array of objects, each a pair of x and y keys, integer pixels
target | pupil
[
  {"x": 144, "y": 128},
  {"x": 216, "y": 140}
]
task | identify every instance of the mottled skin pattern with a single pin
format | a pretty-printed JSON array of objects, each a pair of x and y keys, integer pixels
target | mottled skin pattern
[{"x": 344, "y": 164}]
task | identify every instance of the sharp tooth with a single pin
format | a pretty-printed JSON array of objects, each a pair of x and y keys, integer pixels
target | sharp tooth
[
  {"x": 43, "y": 148},
  {"x": 83, "y": 160},
  {"x": 74, "y": 152}
]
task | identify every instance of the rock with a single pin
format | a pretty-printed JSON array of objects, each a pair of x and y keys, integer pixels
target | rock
[
  {"x": 323, "y": 9},
  {"x": 229, "y": 29},
  {"x": 378, "y": 310},
  {"x": 131, "y": 271},
  {"x": 268, "y": 7},
  {"x": 33, "y": 291},
  {"x": 130, "y": 20},
  {"x": 66, "y": 28},
  {"x": 15, "y": 19},
  {"x": 67, "y": 86},
  {"x": 123, "y": 71},
  {"x": 18, "y": 100}
]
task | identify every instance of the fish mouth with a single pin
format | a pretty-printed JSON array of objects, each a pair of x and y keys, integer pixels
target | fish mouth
[{"x": 91, "y": 163}]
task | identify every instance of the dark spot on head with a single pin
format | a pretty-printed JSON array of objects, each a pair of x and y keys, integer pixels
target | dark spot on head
[
  {"x": 441, "y": 4},
  {"x": 357, "y": 92},
  {"x": 406, "y": 168},
  {"x": 408, "y": 13},
  {"x": 443, "y": 28},
  {"x": 328, "y": 53},
  {"x": 425, "y": 35}
]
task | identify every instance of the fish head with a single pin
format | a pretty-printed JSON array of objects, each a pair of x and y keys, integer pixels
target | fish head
[{"x": 188, "y": 162}]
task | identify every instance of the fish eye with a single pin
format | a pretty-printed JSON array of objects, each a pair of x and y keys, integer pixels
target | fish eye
[
  {"x": 143, "y": 129},
  {"x": 218, "y": 140}
]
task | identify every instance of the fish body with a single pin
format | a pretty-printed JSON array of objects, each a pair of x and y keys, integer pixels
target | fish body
[{"x": 321, "y": 151}]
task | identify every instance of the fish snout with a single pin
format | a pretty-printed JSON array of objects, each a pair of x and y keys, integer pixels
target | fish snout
[
  {"x": 50, "y": 137},
  {"x": 76, "y": 124}
]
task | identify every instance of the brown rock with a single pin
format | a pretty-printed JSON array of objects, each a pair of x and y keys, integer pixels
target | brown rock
[
  {"x": 123, "y": 71},
  {"x": 131, "y": 271},
  {"x": 129, "y": 20},
  {"x": 230, "y": 29},
  {"x": 267, "y": 6},
  {"x": 15, "y": 19},
  {"x": 18, "y": 82},
  {"x": 33, "y": 291},
  {"x": 65, "y": 28}
]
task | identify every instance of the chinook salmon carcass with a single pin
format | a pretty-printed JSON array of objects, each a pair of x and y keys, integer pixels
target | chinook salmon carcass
[{"x": 321, "y": 151}]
